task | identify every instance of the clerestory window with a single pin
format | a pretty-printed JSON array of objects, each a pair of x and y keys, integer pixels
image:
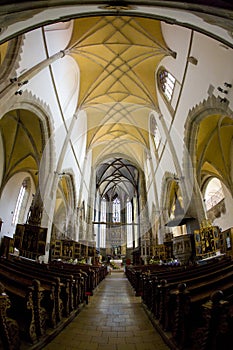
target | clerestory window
[{"x": 166, "y": 83}]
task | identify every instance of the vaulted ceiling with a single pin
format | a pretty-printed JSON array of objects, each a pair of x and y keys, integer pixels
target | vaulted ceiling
[
  {"x": 118, "y": 47},
  {"x": 23, "y": 143},
  {"x": 214, "y": 149},
  {"x": 117, "y": 177},
  {"x": 117, "y": 57}
]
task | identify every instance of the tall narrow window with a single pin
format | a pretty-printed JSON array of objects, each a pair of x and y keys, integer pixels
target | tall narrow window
[
  {"x": 21, "y": 203},
  {"x": 136, "y": 236},
  {"x": 103, "y": 215},
  {"x": 166, "y": 83},
  {"x": 129, "y": 224},
  {"x": 116, "y": 210}
]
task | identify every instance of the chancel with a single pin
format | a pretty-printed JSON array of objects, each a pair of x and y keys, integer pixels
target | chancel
[{"x": 116, "y": 182}]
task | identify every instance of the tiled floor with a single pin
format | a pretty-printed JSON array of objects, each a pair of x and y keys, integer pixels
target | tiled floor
[{"x": 114, "y": 319}]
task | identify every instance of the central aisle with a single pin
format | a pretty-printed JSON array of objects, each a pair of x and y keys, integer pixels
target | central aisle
[{"x": 114, "y": 319}]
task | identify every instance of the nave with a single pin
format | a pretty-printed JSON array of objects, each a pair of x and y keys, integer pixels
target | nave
[{"x": 113, "y": 319}]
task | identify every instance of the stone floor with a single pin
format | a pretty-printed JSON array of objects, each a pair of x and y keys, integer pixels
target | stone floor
[{"x": 114, "y": 319}]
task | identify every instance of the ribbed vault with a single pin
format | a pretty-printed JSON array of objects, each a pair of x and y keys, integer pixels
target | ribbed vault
[
  {"x": 214, "y": 148},
  {"x": 117, "y": 177},
  {"x": 117, "y": 57},
  {"x": 23, "y": 142}
]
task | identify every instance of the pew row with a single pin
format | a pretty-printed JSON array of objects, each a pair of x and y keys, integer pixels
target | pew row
[
  {"x": 41, "y": 299},
  {"x": 191, "y": 304}
]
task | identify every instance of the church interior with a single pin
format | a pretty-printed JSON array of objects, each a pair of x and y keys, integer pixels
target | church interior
[{"x": 116, "y": 143}]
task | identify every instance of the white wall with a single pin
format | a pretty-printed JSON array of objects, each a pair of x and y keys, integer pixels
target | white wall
[
  {"x": 8, "y": 202},
  {"x": 213, "y": 68},
  {"x": 58, "y": 36}
]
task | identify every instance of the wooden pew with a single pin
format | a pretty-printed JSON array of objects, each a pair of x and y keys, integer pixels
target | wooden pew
[
  {"x": 69, "y": 284},
  {"x": 9, "y": 334},
  {"x": 94, "y": 274},
  {"x": 81, "y": 278},
  {"x": 176, "y": 303},
  {"x": 182, "y": 274},
  {"x": 44, "y": 296},
  {"x": 26, "y": 296},
  {"x": 54, "y": 290},
  {"x": 201, "y": 277},
  {"x": 85, "y": 279},
  {"x": 60, "y": 288}
]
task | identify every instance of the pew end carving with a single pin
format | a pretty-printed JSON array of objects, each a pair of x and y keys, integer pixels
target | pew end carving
[{"x": 9, "y": 329}]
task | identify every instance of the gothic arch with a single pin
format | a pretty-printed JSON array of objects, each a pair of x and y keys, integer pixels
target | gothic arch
[
  {"x": 42, "y": 111},
  {"x": 211, "y": 106},
  {"x": 30, "y": 161},
  {"x": 66, "y": 207}
]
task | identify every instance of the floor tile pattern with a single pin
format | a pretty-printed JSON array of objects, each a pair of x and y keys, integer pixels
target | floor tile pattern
[{"x": 114, "y": 319}]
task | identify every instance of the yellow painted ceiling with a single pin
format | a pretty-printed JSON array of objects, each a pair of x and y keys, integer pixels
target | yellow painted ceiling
[
  {"x": 214, "y": 148},
  {"x": 23, "y": 143},
  {"x": 118, "y": 57},
  {"x": 3, "y": 51}
]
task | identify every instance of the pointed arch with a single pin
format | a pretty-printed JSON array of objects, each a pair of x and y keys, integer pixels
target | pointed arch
[{"x": 209, "y": 147}]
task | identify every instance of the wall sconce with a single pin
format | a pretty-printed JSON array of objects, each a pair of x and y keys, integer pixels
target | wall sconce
[
  {"x": 19, "y": 92},
  {"x": 13, "y": 80},
  {"x": 224, "y": 91},
  {"x": 21, "y": 83},
  {"x": 221, "y": 90},
  {"x": 223, "y": 100}
]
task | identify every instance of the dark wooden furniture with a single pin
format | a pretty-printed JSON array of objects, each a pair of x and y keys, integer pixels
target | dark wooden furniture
[
  {"x": 43, "y": 297},
  {"x": 181, "y": 301}
]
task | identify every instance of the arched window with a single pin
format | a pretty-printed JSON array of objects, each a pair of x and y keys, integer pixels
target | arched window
[
  {"x": 103, "y": 216},
  {"x": 213, "y": 193},
  {"x": 21, "y": 203},
  {"x": 166, "y": 83},
  {"x": 136, "y": 233},
  {"x": 129, "y": 217},
  {"x": 116, "y": 210}
]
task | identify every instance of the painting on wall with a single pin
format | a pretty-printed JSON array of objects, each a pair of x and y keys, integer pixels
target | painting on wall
[{"x": 30, "y": 238}]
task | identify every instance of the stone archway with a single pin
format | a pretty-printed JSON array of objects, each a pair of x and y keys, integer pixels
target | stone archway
[{"x": 216, "y": 111}]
